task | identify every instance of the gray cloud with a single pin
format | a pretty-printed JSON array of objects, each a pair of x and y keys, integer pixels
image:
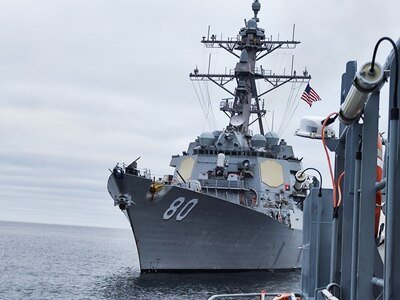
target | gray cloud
[{"x": 84, "y": 84}]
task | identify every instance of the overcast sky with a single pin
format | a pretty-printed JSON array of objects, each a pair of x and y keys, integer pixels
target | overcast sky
[{"x": 85, "y": 84}]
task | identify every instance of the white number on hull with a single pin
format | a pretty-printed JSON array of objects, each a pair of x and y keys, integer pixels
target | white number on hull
[
  {"x": 172, "y": 209},
  {"x": 186, "y": 209}
]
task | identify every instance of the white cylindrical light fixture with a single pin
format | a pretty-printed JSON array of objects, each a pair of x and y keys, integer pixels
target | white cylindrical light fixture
[
  {"x": 364, "y": 83},
  {"x": 300, "y": 180}
]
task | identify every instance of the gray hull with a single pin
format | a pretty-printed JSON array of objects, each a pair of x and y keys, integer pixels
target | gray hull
[{"x": 181, "y": 230}]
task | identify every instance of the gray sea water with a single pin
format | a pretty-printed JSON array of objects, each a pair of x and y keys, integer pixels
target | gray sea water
[{"x": 39, "y": 261}]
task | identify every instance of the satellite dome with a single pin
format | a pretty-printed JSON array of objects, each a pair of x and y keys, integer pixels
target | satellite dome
[
  {"x": 206, "y": 139},
  {"x": 252, "y": 24},
  {"x": 258, "y": 141},
  {"x": 272, "y": 139},
  {"x": 216, "y": 134}
]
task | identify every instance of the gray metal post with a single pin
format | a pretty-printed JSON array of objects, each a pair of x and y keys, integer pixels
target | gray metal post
[
  {"x": 354, "y": 242},
  {"x": 349, "y": 138},
  {"x": 318, "y": 248},
  {"x": 366, "y": 249},
  {"x": 307, "y": 271},
  {"x": 391, "y": 279},
  {"x": 334, "y": 251},
  {"x": 316, "y": 241}
]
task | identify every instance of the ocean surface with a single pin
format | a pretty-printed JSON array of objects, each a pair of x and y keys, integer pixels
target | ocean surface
[{"x": 39, "y": 261}]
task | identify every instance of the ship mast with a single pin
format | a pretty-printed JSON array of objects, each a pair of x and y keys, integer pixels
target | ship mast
[{"x": 253, "y": 46}]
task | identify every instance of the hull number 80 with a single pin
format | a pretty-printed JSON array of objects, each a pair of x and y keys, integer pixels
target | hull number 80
[{"x": 175, "y": 208}]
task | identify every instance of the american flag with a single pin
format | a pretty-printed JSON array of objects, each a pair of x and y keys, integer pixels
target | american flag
[{"x": 309, "y": 95}]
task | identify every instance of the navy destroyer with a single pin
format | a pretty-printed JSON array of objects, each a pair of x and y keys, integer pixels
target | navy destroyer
[{"x": 231, "y": 202}]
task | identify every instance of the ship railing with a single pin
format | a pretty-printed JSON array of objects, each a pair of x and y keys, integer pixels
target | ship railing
[
  {"x": 226, "y": 104},
  {"x": 262, "y": 71},
  {"x": 224, "y": 184},
  {"x": 259, "y": 296}
]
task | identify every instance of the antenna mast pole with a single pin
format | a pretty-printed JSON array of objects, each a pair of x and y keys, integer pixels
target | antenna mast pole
[{"x": 253, "y": 45}]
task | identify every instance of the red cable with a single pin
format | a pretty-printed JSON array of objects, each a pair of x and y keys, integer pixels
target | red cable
[
  {"x": 339, "y": 189},
  {"x": 328, "y": 158}
]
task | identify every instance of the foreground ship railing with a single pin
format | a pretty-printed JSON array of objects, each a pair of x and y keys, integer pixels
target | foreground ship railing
[{"x": 259, "y": 296}]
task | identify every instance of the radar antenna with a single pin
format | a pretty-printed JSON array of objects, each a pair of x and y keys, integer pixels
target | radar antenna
[{"x": 253, "y": 46}]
